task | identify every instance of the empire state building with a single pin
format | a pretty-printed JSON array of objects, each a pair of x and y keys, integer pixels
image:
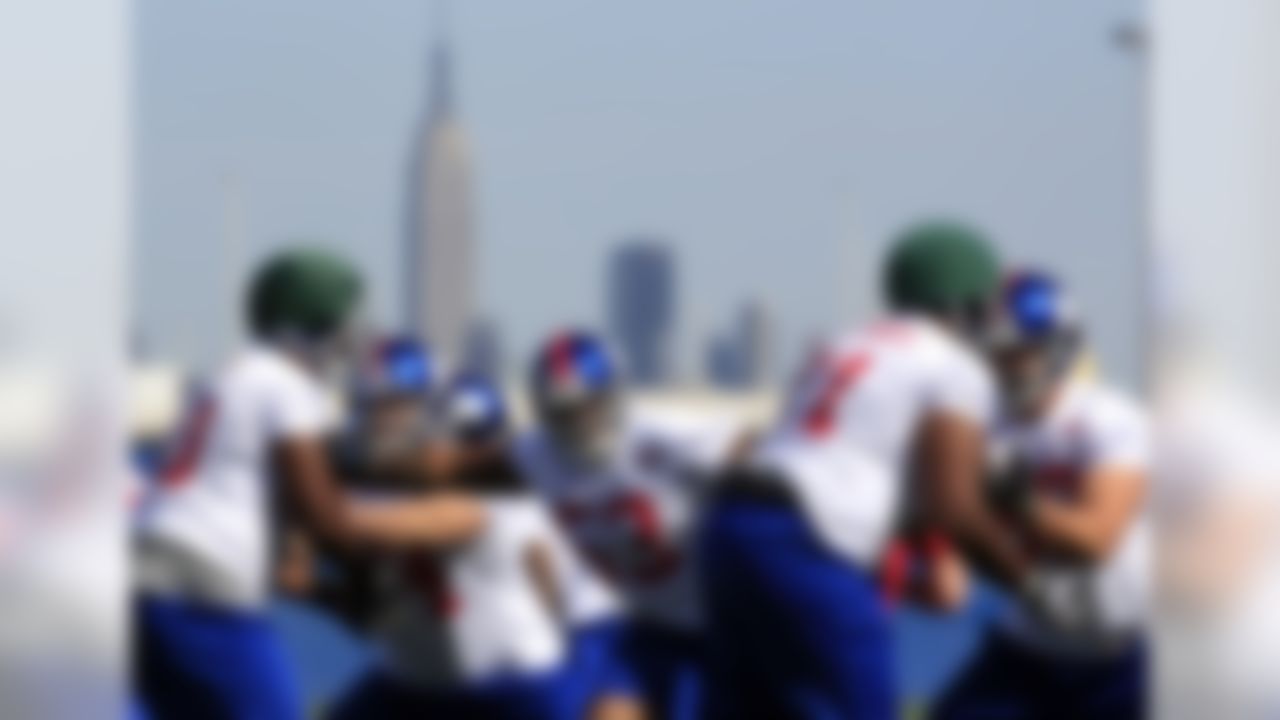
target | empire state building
[{"x": 440, "y": 247}]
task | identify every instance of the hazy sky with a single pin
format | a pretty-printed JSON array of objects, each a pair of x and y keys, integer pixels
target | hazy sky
[{"x": 776, "y": 145}]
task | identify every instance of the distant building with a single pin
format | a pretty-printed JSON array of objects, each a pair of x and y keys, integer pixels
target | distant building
[
  {"x": 720, "y": 362},
  {"x": 741, "y": 357},
  {"x": 439, "y": 277},
  {"x": 641, "y": 300},
  {"x": 484, "y": 350},
  {"x": 755, "y": 336}
]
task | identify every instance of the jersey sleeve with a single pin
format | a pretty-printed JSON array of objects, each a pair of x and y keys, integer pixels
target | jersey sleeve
[
  {"x": 701, "y": 443},
  {"x": 1118, "y": 435},
  {"x": 963, "y": 386},
  {"x": 516, "y": 520},
  {"x": 297, "y": 409},
  {"x": 709, "y": 444}
]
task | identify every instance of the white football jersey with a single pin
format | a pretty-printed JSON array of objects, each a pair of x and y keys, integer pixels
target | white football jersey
[
  {"x": 211, "y": 509},
  {"x": 633, "y": 518},
  {"x": 478, "y": 612},
  {"x": 843, "y": 439},
  {"x": 1089, "y": 427}
]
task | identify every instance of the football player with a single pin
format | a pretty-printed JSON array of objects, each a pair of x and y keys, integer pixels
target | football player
[
  {"x": 628, "y": 486},
  {"x": 388, "y": 417},
  {"x": 1075, "y": 457},
  {"x": 487, "y": 625},
  {"x": 205, "y": 645},
  {"x": 390, "y": 406},
  {"x": 795, "y": 538}
]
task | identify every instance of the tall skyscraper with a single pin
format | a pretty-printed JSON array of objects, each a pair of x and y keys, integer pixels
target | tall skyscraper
[
  {"x": 641, "y": 301},
  {"x": 720, "y": 361},
  {"x": 740, "y": 358},
  {"x": 755, "y": 339},
  {"x": 439, "y": 276}
]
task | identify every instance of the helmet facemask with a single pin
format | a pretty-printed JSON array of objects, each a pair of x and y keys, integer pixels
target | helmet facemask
[
  {"x": 584, "y": 426},
  {"x": 1034, "y": 341},
  {"x": 394, "y": 423},
  {"x": 1031, "y": 371}
]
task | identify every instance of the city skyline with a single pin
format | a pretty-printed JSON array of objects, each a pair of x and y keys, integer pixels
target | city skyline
[{"x": 777, "y": 158}]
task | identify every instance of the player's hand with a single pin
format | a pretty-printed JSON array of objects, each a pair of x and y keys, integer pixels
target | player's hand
[
  {"x": 946, "y": 585},
  {"x": 1010, "y": 489}
]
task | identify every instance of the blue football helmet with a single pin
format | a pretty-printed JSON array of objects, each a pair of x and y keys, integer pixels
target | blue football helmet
[
  {"x": 1035, "y": 338},
  {"x": 473, "y": 409},
  {"x": 575, "y": 387},
  {"x": 396, "y": 366}
]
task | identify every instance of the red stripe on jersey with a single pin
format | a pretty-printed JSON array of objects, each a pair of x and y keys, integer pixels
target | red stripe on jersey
[
  {"x": 182, "y": 464},
  {"x": 561, "y": 357}
]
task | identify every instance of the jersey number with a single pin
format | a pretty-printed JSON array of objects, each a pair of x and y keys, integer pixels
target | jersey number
[
  {"x": 838, "y": 374},
  {"x": 837, "y": 380}
]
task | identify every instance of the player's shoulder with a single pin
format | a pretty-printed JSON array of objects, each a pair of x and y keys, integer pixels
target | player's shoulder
[
  {"x": 651, "y": 436},
  {"x": 945, "y": 371},
  {"x": 261, "y": 368},
  {"x": 1108, "y": 407},
  {"x": 920, "y": 340},
  {"x": 948, "y": 360},
  {"x": 946, "y": 349},
  {"x": 648, "y": 423},
  {"x": 673, "y": 430},
  {"x": 1106, "y": 423}
]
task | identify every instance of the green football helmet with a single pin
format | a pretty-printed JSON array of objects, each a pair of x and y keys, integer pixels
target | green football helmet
[
  {"x": 304, "y": 294},
  {"x": 941, "y": 268}
]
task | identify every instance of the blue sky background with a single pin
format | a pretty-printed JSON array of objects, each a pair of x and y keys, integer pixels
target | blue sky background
[{"x": 776, "y": 145}]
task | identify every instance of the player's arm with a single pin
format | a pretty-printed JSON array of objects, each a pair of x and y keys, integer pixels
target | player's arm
[
  {"x": 944, "y": 586},
  {"x": 949, "y": 462},
  {"x": 439, "y": 461},
  {"x": 336, "y": 518},
  {"x": 1088, "y": 527},
  {"x": 295, "y": 563},
  {"x": 709, "y": 446},
  {"x": 429, "y": 463},
  {"x": 541, "y": 567},
  {"x": 340, "y": 585}
]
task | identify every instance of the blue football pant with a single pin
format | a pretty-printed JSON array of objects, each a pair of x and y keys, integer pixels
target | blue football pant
[
  {"x": 201, "y": 663},
  {"x": 794, "y": 631},
  {"x": 1007, "y": 681}
]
